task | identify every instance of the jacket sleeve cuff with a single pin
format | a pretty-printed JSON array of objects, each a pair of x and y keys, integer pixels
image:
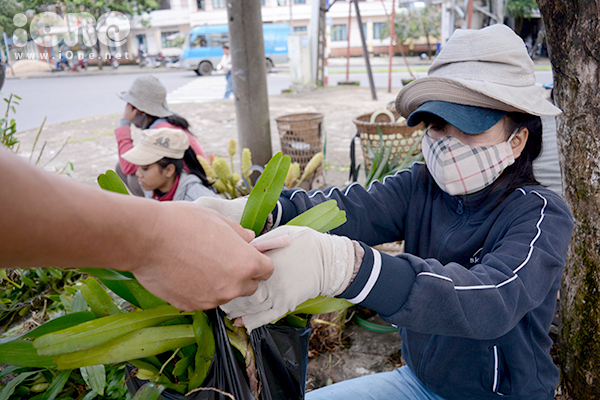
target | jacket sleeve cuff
[
  {"x": 382, "y": 283},
  {"x": 284, "y": 211},
  {"x": 125, "y": 122}
]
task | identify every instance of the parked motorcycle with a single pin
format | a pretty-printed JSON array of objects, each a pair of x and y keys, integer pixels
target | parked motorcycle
[
  {"x": 113, "y": 61},
  {"x": 142, "y": 58},
  {"x": 62, "y": 64},
  {"x": 172, "y": 62},
  {"x": 80, "y": 64}
]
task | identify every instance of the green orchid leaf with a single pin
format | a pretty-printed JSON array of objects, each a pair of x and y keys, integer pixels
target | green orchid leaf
[
  {"x": 95, "y": 377},
  {"x": 110, "y": 181}
]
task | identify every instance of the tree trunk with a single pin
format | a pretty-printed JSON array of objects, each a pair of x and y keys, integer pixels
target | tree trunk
[
  {"x": 573, "y": 34},
  {"x": 249, "y": 78}
]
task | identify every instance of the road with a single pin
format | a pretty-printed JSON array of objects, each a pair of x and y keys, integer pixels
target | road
[{"x": 69, "y": 98}]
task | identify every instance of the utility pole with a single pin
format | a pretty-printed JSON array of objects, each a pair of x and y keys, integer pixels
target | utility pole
[
  {"x": 391, "y": 49},
  {"x": 247, "y": 47},
  {"x": 365, "y": 51}
]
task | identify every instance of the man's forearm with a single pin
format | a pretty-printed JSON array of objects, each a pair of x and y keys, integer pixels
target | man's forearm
[{"x": 51, "y": 220}]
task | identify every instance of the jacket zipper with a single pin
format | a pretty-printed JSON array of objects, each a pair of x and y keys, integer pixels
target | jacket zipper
[
  {"x": 496, "y": 371},
  {"x": 460, "y": 210},
  {"x": 422, "y": 363}
]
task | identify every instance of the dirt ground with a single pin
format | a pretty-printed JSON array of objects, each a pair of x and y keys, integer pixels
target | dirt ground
[{"x": 91, "y": 147}]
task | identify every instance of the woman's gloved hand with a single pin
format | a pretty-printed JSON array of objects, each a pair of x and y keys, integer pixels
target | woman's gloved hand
[
  {"x": 313, "y": 264},
  {"x": 230, "y": 209}
]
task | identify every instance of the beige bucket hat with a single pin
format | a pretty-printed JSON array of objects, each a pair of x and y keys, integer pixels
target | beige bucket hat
[
  {"x": 157, "y": 144},
  {"x": 147, "y": 94},
  {"x": 487, "y": 68}
]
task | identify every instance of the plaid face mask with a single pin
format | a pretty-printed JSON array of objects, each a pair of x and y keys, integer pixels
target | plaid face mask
[{"x": 460, "y": 169}]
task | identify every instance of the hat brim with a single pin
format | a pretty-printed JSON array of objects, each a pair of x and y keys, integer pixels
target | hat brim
[
  {"x": 474, "y": 93},
  {"x": 468, "y": 119},
  {"x": 139, "y": 156},
  {"x": 161, "y": 112}
]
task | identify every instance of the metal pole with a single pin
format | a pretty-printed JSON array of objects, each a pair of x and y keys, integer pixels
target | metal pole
[
  {"x": 249, "y": 78},
  {"x": 365, "y": 51},
  {"x": 391, "y": 51},
  {"x": 470, "y": 14},
  {"x": 348, "y": 38}
]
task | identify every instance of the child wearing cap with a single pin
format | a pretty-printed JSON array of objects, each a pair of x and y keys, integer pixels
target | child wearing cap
[
  {"x": 146, "y": 108},
  {"x": 160, "y": 157},
  {"x": 474, "y": 293}
]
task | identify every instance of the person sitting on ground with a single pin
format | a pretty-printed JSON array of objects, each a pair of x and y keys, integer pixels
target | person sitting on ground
[
  {"x": 474, "y": 293},
  {"x": 160, "y": 157},
  {"x": 146, "y": 108}
]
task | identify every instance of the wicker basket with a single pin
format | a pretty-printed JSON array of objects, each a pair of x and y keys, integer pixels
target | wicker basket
[
  {"x": 398, "y": 135},
  {"x": 301, "y": 136}
]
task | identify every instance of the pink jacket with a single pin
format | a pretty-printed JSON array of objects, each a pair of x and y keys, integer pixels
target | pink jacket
[{"x": 125, "y": 143}]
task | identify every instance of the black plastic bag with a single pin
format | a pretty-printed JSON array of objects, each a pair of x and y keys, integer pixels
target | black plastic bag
[{"x": 281, "y": 360}]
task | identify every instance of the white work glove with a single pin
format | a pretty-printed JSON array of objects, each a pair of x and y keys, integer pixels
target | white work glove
[
  {"x": 230, "y": 209},
  {"x": 313, "y": 264}
]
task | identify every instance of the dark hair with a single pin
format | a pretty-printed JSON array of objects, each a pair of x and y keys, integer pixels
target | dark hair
[
  {"x": 174, "y": 119},
  {"x": 521, "y": 172},
  {"x": 179, "y": 121},
  {"x": 191, "y": 161}
]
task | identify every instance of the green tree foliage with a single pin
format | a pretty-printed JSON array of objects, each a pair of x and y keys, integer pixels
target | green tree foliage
[
  {"x": 9, "y": 9},
  {"x": 97, "y": 8},
  {"x": 415, "y": 23},
  {"x": 520, "y": 8}
]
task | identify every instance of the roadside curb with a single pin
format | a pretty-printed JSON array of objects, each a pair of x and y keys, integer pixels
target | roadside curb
[
  {"x": 107, "y": 70},
  {"x": 337, "y": 65}
]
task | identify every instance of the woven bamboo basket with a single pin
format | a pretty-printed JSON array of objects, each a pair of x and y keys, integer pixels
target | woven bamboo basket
[
  {"x": 301, "y": 136},
  {"x": 397, "y": 135}
]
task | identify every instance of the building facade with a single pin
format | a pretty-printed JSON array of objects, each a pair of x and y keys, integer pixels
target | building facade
[{"x": 167, "y": 27}]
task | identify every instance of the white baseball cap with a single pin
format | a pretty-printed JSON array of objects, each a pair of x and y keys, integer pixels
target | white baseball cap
[{"x": 157, "y": 144}]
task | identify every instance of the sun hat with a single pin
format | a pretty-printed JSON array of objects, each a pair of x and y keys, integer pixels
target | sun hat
[
  {"x": 148, "y": 95},
  {"x": 468, "y": 119},
  {"x": 156, "y": 144},
  {"x": 487, "y": 68}
]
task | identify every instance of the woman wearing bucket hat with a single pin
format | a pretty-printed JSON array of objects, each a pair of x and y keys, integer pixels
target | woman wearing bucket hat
[
  {"x": 474, "y": 293},
  {"x": 146, "y": 108},
  {"x": 160, "y": 156}
]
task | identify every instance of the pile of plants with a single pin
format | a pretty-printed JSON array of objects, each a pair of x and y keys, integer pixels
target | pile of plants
[{"x": 114, "y": 323}]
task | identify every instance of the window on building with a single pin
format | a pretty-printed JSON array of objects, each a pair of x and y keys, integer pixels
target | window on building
[
  {"x": 164, "y": 5},
  {"x": 300, "y": 29},
  {"x": 299, "y": 1},
  {"x": 379, "y": 30},
  {"x": 170, "y": 39},
  {"x": 339, "y": 33},
  {"x": 200, "y": 4},
  {"x": 262, "y": 2},
  {"x": 281, "y": 2},
  {"x": 218, "y": 3}
]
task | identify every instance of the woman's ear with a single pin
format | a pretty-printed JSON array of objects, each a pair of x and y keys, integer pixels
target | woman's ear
[
  {"x": 519, "y": 141},
  {"x": 169, "y": 170}
]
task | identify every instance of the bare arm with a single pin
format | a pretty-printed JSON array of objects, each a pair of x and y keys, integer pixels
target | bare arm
[{"x": 186, "y": 254}]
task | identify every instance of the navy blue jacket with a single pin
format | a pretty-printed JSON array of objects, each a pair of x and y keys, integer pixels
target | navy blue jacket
[{"x": 474, "y": 293}]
